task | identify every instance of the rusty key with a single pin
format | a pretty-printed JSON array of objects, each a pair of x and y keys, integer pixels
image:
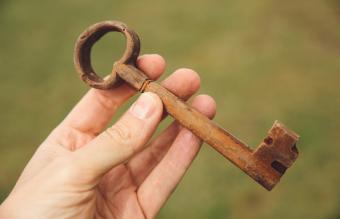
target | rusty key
[{"x": 266, "y": 164}]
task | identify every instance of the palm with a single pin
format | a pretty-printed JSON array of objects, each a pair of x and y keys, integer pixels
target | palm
[
  {"x": 121, "y": 191},
  {"x": 116, "y": 198}
]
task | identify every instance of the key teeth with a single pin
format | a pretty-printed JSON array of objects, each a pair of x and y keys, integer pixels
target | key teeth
[
  {"x": 278, "y": 150},
  {"x": 286, "y": 141},
  {"x": 280, "y": 125}
]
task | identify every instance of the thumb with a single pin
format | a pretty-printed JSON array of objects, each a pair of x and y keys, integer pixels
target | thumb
[{"x": 124, "y": 139}]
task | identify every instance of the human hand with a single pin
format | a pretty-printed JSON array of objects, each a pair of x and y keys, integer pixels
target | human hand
[{"x": 82, "y": 171}]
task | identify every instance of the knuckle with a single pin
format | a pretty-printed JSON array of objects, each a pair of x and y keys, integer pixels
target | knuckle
[
  {"x": 71, "y": 172},
  {"x": 66, "y": 168},
  {"x": 107, "y": 102},
  {"x": 119, "y": 133}
]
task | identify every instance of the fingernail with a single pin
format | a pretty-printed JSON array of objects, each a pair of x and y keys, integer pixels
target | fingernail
[{"x": 144, "y": 106}]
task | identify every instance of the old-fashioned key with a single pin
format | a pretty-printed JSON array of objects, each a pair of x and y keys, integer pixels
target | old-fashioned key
[{"x": 266, "y": 164}]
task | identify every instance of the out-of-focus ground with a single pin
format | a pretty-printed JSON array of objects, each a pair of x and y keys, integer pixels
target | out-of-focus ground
[{"x": 260, "y": 60}]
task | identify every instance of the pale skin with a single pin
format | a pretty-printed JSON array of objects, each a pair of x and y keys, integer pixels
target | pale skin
[{"x": 86, "y": 170}]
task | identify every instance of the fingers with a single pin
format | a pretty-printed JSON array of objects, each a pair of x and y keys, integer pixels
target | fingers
[
  {"x": 189, "y": 84},
  {"x": 163, "y": 179},
  {"x": 141, "y": 164},
  {"x": 125, "y": 138},
  {"x": 92, "y": 114}
]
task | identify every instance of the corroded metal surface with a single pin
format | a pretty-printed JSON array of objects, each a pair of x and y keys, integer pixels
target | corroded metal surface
[{"x": 266, "y": 164}]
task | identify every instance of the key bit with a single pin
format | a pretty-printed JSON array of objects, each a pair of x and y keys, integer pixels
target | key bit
[
  {"x": 277, "y": 152},
  {"x": 266, "y": 164}
]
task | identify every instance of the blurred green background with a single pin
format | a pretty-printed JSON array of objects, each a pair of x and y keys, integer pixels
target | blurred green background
[{"x": 261, "y": 60}]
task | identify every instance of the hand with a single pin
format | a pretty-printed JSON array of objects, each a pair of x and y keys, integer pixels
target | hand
[{"x": 81, "y": 171}]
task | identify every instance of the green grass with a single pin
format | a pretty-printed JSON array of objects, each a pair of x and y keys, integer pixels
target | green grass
[{"x": 261, "y": 61}]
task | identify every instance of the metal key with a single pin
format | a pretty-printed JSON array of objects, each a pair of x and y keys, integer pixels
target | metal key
[{"x": 266, "y": 164}]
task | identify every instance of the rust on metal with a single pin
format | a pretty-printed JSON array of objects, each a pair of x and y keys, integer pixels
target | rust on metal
[{"x": 266, "y": 164}]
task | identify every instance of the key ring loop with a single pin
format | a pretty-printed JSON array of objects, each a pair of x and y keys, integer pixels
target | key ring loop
[{"x": 84, "y": 44}]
